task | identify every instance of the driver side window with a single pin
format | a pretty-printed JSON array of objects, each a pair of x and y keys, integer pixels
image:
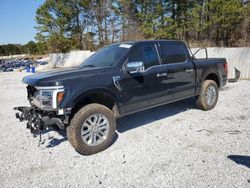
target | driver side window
[{"x": 146, "y": 54}]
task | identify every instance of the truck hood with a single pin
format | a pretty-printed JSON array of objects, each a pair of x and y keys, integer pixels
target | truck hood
[{"x": 60, "y": 76}]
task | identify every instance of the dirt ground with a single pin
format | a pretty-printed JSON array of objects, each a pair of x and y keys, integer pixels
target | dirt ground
[{"x": 174, "y": 145}]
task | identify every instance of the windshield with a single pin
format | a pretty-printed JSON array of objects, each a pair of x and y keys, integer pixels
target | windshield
[{"x": 106, "y": 56}]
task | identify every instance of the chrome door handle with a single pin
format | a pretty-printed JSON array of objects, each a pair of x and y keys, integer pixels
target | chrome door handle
[
  {"x": 161, "y": 75},
  {"x": 189, "y": 70}
]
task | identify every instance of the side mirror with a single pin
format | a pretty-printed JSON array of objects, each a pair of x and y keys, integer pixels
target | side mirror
[{"x": 135, "y": 67}]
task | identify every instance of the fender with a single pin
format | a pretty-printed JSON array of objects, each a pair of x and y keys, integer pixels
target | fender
[
  {"x": 89, "y": 91},
  {"x": 204, "y": 75}
]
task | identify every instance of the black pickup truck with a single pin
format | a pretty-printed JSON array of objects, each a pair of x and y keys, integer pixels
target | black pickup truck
[{"x": 115, "y": 81}]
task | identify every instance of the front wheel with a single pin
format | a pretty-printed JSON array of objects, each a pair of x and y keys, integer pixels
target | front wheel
[
  {"x": 92, "y": 129},
  {"x": 208, "y": 96}
]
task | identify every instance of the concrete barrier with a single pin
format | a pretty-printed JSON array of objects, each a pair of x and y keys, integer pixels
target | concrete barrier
[{"x": 59, "y": 60}]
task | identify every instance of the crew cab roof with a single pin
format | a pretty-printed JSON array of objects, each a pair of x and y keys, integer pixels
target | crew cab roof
[{"x": 148, "y": 41}]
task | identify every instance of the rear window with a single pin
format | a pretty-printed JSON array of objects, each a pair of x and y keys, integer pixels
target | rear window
[{"x": 173, "y": 53}]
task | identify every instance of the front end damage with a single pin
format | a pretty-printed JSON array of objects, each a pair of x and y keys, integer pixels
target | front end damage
[
  {"x": 38, "y": 120},
  {"x": 44, "y": 111}
]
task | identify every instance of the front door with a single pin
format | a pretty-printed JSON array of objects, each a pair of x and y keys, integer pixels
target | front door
[{"x": 142, "y": 89}]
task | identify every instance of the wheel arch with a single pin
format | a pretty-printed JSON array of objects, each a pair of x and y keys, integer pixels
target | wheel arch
[
  {"x": 101, "y": 96},
  {"x": 211, "y": 74}
]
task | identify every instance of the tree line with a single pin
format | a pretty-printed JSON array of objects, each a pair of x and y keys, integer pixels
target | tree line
[
  {"x": 29, "y": 48},
  {"x": 65, "y": 25}
]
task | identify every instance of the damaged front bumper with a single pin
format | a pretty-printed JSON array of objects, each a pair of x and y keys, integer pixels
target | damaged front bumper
[{"x": 39, "y": 120}]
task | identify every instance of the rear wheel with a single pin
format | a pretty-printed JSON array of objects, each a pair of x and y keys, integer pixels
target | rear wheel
[
  {"x": 92, "y": 129},
  {"x": 208, "y": 96}
]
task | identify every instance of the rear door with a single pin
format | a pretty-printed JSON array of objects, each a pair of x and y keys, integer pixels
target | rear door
[{"x": 180, "y": 70}]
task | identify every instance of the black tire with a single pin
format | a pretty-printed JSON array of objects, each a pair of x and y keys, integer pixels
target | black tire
[
  {"x": 201, "y": 101},
  {"x": 76, "y": 126}
]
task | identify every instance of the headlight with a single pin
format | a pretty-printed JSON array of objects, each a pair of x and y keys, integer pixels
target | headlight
[{"x": 48, "y": 98}]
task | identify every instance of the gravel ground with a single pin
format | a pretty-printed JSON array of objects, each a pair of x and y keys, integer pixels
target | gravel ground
[{"x": 175, "y": 145}]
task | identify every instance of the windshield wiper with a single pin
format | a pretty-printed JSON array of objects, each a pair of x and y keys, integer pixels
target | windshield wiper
[{"x": 87, "y": 66}]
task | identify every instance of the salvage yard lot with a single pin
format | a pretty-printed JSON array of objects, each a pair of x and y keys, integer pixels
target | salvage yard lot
[{"x": 173, "y": 145}]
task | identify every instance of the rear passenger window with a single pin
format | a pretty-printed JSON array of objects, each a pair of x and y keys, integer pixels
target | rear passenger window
[
  {"x": 147, "y": 54},
  {"x": 173, "y": 53}
]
